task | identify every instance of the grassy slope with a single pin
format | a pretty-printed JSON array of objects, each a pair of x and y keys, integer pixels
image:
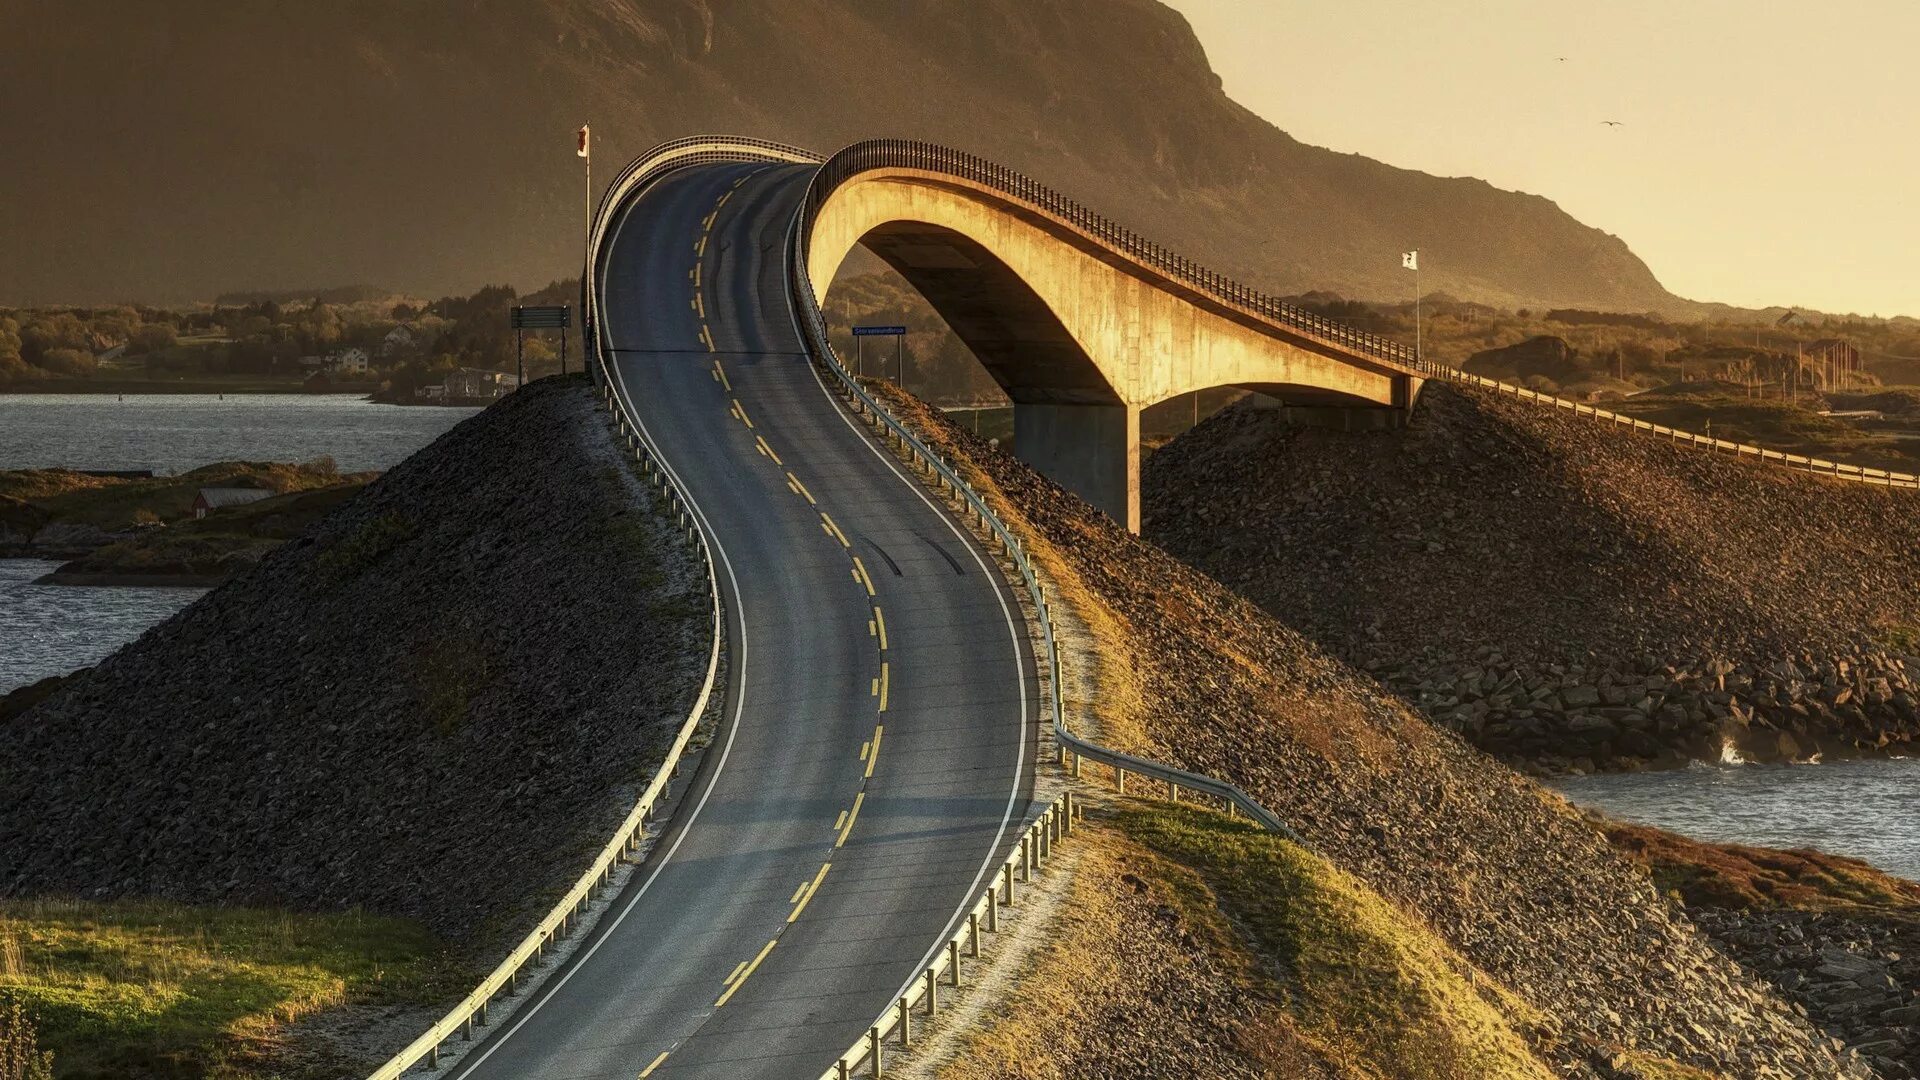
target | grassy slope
[
  {"x": 159, "y": 990},
  {"x": 1363, "y": 978}
]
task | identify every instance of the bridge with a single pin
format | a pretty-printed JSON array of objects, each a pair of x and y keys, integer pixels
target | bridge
[
  {"x": 1082, "y": 323},
  {"x": 874, "y": 763},
  {"x": 875, "y": 759}
]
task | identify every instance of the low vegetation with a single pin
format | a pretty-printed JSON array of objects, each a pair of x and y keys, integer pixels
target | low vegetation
[
  {"x": 1363, "y": 978},
  {"x": 150, "y": 989},
  {"x": 112, "y": 504},
  {"x": 213, "y": 548},
  {"x": 1736, "y": 876}
]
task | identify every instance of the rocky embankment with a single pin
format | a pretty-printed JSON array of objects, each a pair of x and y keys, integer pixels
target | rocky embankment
[
  {"x": 1838, "y": 938},
  {"x": 436, "y": 703},
  {"x": 1562, "y": 593},
  {"x": 1571, "y": 943}
]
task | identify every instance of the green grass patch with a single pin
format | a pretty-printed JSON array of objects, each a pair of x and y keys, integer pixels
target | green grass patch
[
  {"x": 149, "y": 989},
  {"x": 1361, "y": 977}
]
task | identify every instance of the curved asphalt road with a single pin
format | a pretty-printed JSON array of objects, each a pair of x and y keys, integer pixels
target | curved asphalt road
[{"x": 808, "y": 873}]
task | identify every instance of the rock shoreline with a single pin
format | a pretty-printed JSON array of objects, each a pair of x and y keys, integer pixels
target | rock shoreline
[
  {"x": 1652, "y": 713},
  {"x": 1562, "y": 594}
]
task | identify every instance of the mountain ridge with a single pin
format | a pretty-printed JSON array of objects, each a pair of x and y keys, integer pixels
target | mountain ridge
[{"x": 227, "y": 146}]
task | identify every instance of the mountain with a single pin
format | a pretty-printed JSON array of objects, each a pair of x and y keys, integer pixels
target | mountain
[{"x": 173, "y": 152}]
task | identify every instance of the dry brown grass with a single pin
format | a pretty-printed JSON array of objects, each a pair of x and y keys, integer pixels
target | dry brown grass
[{"x": 1736, "y": 876}]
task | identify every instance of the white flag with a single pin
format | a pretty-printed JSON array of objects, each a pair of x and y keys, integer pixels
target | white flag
[
  {"x": 581, "y": 150},
  {"x": 1408, "y": 259}
]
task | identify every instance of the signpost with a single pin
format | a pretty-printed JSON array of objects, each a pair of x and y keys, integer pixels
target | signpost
[
  {"x": 898, "y": 334},
  {"x": 539, "y": 317}
]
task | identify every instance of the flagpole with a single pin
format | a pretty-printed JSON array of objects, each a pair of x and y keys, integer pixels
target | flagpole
[{"x": 1416, "y": 304}]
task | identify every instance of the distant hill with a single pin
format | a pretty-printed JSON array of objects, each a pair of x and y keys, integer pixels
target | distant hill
[{"x": 172, "y": 152}]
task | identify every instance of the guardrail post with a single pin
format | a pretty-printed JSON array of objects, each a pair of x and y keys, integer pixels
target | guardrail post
[
  {"x": 953, "y": 961},
  {"x": 433, "y": 1056},
  {"x": 973, "y": 932},
  {"x": 1120, "y": 779},
  {"x": 906, "y": 1023},
  {"x": 1026, "y": 858},
  {"x": 873, "y": 1043},
  {"x": 1173, "y": 791},
  {"x": 933, "y": 991},
  {"x": 1006, "y": 873}
]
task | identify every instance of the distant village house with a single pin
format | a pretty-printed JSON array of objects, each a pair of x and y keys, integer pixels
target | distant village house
[
  {"x": 207, "y": 500},
  {"x": 477, "y": 384}
]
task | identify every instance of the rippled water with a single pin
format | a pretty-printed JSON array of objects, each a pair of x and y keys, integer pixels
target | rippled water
[
  {"x": 171, "y": 433},
  {"x": 53, "y": 629},
  {"x": 1865, "y": 809}
]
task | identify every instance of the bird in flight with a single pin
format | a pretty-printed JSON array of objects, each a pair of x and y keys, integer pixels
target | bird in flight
[{"x": 1612, "y": 123}]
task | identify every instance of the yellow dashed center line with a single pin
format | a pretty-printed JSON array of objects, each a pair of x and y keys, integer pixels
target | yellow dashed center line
[
  {"x": 767, "y": 449},
  {"x": 721, "y": 374},
  {"x": 839, "y": 821},
  {"x": 723, "y": 198},
  {"x": 741, "y": 411},
  {"x": 706, "y": 337},
  {"x": 648, "y": 1071},
  {"x": 880, "y": 621},
  {"x": 700, "y": 305},
  {"x": 695, "y": 275},
  {"x": 706, "y": 223},
  {"x": 860, "y": 574},
  {"x": 745, "y": 975},
  {"x": 826, "y": 522},
  {"x": 800, "y": 489},
  {"x": 847, "y": 827},
  {"x": 883, "y": 686},
  {"x": 809, "y": 889},
  {"x": 874, "y": 758},
  {"x": 700, "y": 247},
  {"x": 742, "y": 965}
]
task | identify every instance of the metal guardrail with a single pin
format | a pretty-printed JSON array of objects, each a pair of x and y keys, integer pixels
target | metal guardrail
[
  {"x": 905, "y": 154},
  {"x": 1046, "y": 828},
  {"x": 1796, "y": 462},
  {"x": 472, "y": 1012}
]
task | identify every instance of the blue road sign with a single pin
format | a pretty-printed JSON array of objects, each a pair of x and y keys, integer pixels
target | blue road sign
[{"x": 879, "y": 331}]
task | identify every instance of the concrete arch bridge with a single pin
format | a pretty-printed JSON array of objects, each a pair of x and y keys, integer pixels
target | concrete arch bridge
[{"x": 1081, "y": 322}]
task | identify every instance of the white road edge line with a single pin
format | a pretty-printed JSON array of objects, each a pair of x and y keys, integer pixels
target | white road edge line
[
  {"x": 736, "y": 674},
  {"x": 999, "y": 593}
]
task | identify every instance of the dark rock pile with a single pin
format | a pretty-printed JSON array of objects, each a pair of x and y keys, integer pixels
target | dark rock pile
[
  {"x": 1561, "y": 592},
  {"x": 437, "y": 703},
  {"x": 1520, "y": 885},
  {"x": 1856, "y": 976}
]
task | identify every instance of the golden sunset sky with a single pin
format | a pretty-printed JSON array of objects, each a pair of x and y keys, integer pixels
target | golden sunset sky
[{"x": 1768, "y": 152}]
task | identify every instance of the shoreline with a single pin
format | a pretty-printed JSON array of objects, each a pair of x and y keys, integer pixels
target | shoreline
[{"x": 136, "y": 581}]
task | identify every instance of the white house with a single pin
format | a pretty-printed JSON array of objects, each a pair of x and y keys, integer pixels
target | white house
[{"x": 352, "y": 361}]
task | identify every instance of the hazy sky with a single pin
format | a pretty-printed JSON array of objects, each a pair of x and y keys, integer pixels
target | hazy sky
[{"x": 1769, "y": 151}]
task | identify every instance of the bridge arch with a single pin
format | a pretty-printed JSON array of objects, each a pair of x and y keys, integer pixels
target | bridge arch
[{"x": 1081, "y": 334}]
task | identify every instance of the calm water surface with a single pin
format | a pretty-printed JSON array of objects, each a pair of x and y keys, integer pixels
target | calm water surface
[
  {"x": 53, "y": 629},
  {"x": 1865, "y": 809},
  {"x": 171, "y": 433}
]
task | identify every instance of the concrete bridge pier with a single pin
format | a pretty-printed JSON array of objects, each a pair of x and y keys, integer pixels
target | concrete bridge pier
[{"x": 1091, "y": 450}]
